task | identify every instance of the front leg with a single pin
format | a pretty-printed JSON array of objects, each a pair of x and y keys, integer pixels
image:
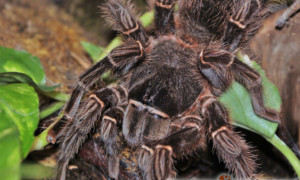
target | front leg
[
  {"x": 164, "y": 17},
  {"x": 219, "y": 67},
  {"x": 214, "y": 64},
  {"x": 252, "y": 81},
  {"x": 120, "y": 16},
  {"x": 120, "y": 60},
  {"x": 242, "y": 23},
  {"x": 229, "y": 145},
  {"x": 156, "y": 158}
]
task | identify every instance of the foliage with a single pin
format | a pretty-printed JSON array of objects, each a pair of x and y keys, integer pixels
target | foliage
[
  {"x": 21, "y": 75},
  {"x": 93, "y": 50}
]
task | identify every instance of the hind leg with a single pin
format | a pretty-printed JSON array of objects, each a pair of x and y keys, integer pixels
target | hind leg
[
  {"x": 164, "y": 17},
  {"x": 156, "y": 158},
  {"x": 88, "y": 116},
  {"x": 230, "y": 147},
  {"x": 244, "y": 21}
]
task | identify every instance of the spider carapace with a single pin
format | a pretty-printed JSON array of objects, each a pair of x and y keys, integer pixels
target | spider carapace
[{"x": 165, "y": 102}]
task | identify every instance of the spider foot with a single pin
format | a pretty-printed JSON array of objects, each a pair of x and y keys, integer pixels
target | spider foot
[
  {"x": 113, "y": 166},
  {"x": 234, "y": 151},
  {"x": 145, "y": 156},
  {"x": 167, "y": 4},
  {"x": 110, "y": 127},
  {"x": 163, "y": 163},
  {"x": 120, "y": 16}
]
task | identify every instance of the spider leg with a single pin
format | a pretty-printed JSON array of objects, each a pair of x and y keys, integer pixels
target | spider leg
[
  {"x": 109, "y": 130},
  {"x": 214, "y": 64},
  {"x": 89, "y": 113},
  {"x": 252, "y": 81},
  {"x": 242, "y": 23},
  {"x": 110, "y": 127},
  {"x": 184, "y": 140},
  {"x": 120, "y": 17},
  {"x": 121, "y": 60},
  {"x": 230, "y": 147},
  {"x": 164, "y": 17},
  {"x": 210, "y": 14},
  {"x": 220, "y": 67}
]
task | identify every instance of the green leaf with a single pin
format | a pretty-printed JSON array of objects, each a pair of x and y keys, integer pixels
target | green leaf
[
  {"x": 117, "y": 41},
  {"x": 93, "y": 50},
  {"x": 19, "y": 104},
  {"x": 40, "y": 171},
  {"x": 237, "y": 100},
  {"x": 21, "y": 67},
  {"x": 147, "y": 18},
  {"x": 10, "y": 148},
  {"x": 18, "y": 61},
  {"x": 16, "y": 77}
]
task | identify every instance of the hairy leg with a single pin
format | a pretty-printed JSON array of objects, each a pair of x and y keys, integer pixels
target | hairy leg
[
  {"x": 164, "y": 17},
  {"x": 121, "y": 59},
  {"x": 214, "y": 65},
  {"x": 230, "y": 147},
  {"x": 109, "y": 131},
  {"x": 245, "y": 19},
  {"x": 186, "y": 139},
  {"x": 252, "y": 81},
  {"x": 220, "y": 67},
  {"x": 120, "y": 16},
  {"x": 210, "y": 14},
  {"x": 89, "y": 114}
]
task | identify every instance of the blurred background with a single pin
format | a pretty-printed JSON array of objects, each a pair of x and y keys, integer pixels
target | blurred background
[{"x": 53, "y": 31}]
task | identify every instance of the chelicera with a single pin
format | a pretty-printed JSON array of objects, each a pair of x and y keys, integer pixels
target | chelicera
[{"x": 165, "y": 102}]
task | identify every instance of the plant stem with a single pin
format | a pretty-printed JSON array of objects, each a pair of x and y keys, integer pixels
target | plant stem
[
  {"x": 51, "y": 109},
  {"x": 59, "y": 96},
  {"x": 287, "y": 152}
]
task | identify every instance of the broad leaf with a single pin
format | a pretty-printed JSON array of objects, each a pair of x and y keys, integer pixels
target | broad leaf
[
  {"x": 19, "y": 104},
  {"x": 21, "y": 67},
  {"x": 237, "y": 100},
  {"x": 10, "y": 148},
  {"x": 18, "y": 61},
  {"x": 16, "y": 77},
  {"x": 40, "y": 171},
  {"x": 93, "y": 50}
]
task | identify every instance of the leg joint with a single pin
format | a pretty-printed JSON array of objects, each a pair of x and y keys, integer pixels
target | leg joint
[
  {"x": 237, "y": 23},
  {"x": 148, "y": 149},
  {"x": 132, "y": 30},
  {"x": 223, "y": 128},
  {"x": 162, "y": 5},
  {"x": 108, "y": 118},
  {"x": 101, "y": 103},
  {"x": 169, "y": 148}
]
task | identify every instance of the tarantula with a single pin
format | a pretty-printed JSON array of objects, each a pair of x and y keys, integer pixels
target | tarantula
[{"x": 166, "y": 103}]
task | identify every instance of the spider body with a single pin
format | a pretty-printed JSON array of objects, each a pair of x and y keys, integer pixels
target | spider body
[{"x": 166, "y": 103}]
